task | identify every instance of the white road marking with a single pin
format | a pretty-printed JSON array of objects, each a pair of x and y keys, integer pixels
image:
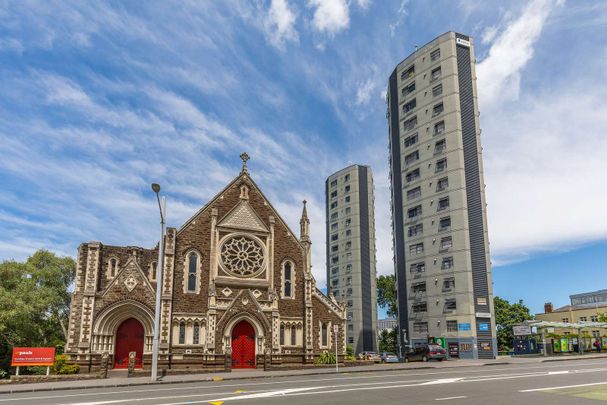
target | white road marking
[
  {"x": 558, "y": 372},
  {"x": 443, "y": 381},
  {"x": 564, "y": 387},
  {"x": 449, "y": 398}
]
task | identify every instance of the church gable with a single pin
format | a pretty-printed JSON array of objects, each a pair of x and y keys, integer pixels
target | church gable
[
  {"x": 130, "y": 281},
  {"x": 243, "y": 217}
]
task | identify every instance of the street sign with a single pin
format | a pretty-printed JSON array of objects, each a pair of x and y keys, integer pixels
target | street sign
[
  {"x": 483, "y": 326},
  {"x": 33, "y": 356},
  {"x": 463, "y": 326},
  {"x": 521, "y": 330}
]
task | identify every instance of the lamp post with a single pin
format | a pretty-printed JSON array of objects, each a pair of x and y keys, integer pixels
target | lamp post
[{"x": 159, "y": 267}]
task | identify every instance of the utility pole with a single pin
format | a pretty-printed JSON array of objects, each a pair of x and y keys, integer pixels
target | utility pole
[{"x": 159, "y": 267}]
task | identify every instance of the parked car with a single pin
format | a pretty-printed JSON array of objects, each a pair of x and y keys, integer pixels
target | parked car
[
  {"x": 370, "y": 356},
  {"x": 387, "y": 357},
  {"x": 425, "y": 353}
]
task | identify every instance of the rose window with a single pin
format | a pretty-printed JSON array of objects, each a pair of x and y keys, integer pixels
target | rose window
[{"x": 242, "y": 256}]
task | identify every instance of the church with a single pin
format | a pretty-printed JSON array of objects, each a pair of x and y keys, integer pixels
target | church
[{"x": 237, "y": 284}]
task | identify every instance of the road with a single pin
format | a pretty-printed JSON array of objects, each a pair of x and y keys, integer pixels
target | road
[{"x": 563, "y": 382}]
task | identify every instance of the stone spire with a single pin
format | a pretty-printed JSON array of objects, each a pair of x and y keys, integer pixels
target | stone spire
[
  {"x": 244, "y": 156},
  {"x": 304, "y": 225}
]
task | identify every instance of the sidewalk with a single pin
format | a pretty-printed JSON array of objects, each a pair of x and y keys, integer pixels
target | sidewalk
[{"x": 254, "y": 374}]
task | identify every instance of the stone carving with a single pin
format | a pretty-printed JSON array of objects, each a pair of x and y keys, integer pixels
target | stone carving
[
  {"x": 242, "y": 256},
  {"x": 130, "y": 283},
  {"x": 226, "y": 291},
  {"x": 243, "y": 217},
  {"x": 256, "y": 293}
]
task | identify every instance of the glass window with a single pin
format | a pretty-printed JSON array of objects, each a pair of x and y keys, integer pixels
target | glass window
[
  {"x": 416, "y": 248},
  {"x": 448, "y": 283},
  {"x": 441, "y": 165},
  {"x": 420, "y": 307},
  {"x": 442, "y": 184},
  {"x": 439, "y": 127},
  {"x": 282, "y": 335},
  {"x": 347, "y": 189},
  {"x": 348, "y": 210},
  {"x": 447, "y": 263},
  {"x": 293, "y": 335},
  {"x": 334, "y": 204},
  {"x": 443, "y": 203},
  {"x": 347, "y": 199},
  {"x": 182, "y": 333},
  {"x": 416, "y": 230},
  {"x": 414, "y": 212},
  {"x": 196, "y": 335},
  {"x": 412, "y": 175},
  {"x": 444, "y": 224},
  {"x": 192, "y": 271},
  {"x": 408, "y": 89},
  {"x": 410, "y": 140},
  {"x": 324, "y": 341},
  {"x": 437, "y": 90},
  {"x": 334, "y": 226},
  {"x": 334, "y": 194},
  {"x": 414, "y": 193},
  {"x": 440, "y": 146},
  {"x": 153, "y": 271},
  {"x": 410, "y": 123},
  {"x": 446, "y": 243},
  {"x": 450, "y": 304},
  {"x": 417, "y": 267},
  {"x": 347, "y": 222},
  {"x": 437, "y": 109},
  {"x": 334, "y": 216},
  {"x": 435, "y": 55},
  {"x": 418, "y": 287},
  {"x": 334, "y": 183},
  {"x": 412, "y": 157},
  {"x": 288, "y": 279},
  {"x": 409, "y": 106},
  {"x": 451, "y": 326},
  {"x": 420, "y": 327},
  {"x": 436, "y": 74},
  {"x": 346, "y": 177},
  {"x": 408, "y": 73},
  {"x": 348, "y": 268}
]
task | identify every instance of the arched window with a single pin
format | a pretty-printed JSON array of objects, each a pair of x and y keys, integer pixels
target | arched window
[
  {"x": 192, "y": 273},
  {"x": 182, "y": 333},
  {"x": 112, "y": 267},
  {"x": 196, "y": 334},
  {"x": 293, "y": 335},
  {"x": 282, "y": 334},
  {"x": 324, "y": 337},
  {"x": 287, "y": 279},
  {"x": 153, "y": 267}
]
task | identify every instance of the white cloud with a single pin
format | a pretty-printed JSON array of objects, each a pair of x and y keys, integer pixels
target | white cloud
[
  {"x": 330, "y": 16},
  {"x": 400, "y": 14},
  {"x": 364, "y": 4},
  {"x": 280, "y": 24},
  {"x": 365, "y": 89},
  {"x": 500, "y": 71}
]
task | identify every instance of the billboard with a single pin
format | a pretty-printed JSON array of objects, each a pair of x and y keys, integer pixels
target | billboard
[{"x": 33, "y": 356}]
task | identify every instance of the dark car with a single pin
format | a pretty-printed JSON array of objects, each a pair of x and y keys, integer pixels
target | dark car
[{"x": 425, "y": 353}]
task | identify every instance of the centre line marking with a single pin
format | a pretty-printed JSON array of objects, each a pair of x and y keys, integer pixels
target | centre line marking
[
  {"x": 563, "y": 387},
  {"x": 448, "y": 398}
]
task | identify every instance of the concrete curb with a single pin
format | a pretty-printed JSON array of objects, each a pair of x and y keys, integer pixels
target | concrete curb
[{"x": 228, "y": 378}]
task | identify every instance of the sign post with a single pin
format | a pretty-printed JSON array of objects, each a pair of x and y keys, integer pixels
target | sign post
[
  {"x": 335, "y": 329},
  {"x": 33, "y": 356}
]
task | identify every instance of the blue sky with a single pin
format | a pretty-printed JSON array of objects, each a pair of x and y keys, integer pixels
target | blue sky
[{"x": 99, "y": 99}]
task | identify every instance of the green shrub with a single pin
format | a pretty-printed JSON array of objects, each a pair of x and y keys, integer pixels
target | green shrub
[
  {"x": 325, "y": 358},
  {"x": 62, "y": 367},
  {"x": 3, "y": 374}
]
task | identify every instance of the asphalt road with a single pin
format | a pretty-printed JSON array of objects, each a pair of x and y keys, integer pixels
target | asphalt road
[{"x": 565, "y": 382}]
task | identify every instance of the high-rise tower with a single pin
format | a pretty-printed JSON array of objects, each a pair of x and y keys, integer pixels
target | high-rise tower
[
  {"x": 439, "y": 218},
  {"x": 351, "y": 274}
]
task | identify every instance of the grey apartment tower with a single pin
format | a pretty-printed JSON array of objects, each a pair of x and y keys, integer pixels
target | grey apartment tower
[
  {"x": 351, "y": 274},
  {"x": 439, "y": 218}
]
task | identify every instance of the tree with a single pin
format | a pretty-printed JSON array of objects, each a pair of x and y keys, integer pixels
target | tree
[
  {"x": 34, "y": 302},
  {"x": 387, "y": 341},
  {"x": 602, "y": 317},
  {"x": 386, "y": 294},
  {"x": 506, "y": 316}
]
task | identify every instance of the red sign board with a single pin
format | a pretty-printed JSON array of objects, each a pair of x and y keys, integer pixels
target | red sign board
[{"x": 33, "y": 356}]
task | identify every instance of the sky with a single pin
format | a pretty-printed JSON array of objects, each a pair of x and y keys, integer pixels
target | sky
[{"x": 100, "y": 99}]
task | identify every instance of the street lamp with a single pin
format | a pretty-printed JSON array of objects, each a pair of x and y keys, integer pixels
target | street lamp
[{"x": 159, "y": 267}]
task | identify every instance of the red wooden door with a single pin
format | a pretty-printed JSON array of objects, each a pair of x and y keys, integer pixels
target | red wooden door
[
  {"x": 243, "y": 345},
  {"x": 129, "y": 338}
]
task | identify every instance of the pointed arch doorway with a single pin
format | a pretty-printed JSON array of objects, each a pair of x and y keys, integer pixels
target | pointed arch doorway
[
  {"x": 129, "y": 338},
  {"x": 243, "y": 345}
]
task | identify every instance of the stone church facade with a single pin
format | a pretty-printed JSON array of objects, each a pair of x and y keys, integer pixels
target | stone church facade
[{"x": 236, "y": 281}]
